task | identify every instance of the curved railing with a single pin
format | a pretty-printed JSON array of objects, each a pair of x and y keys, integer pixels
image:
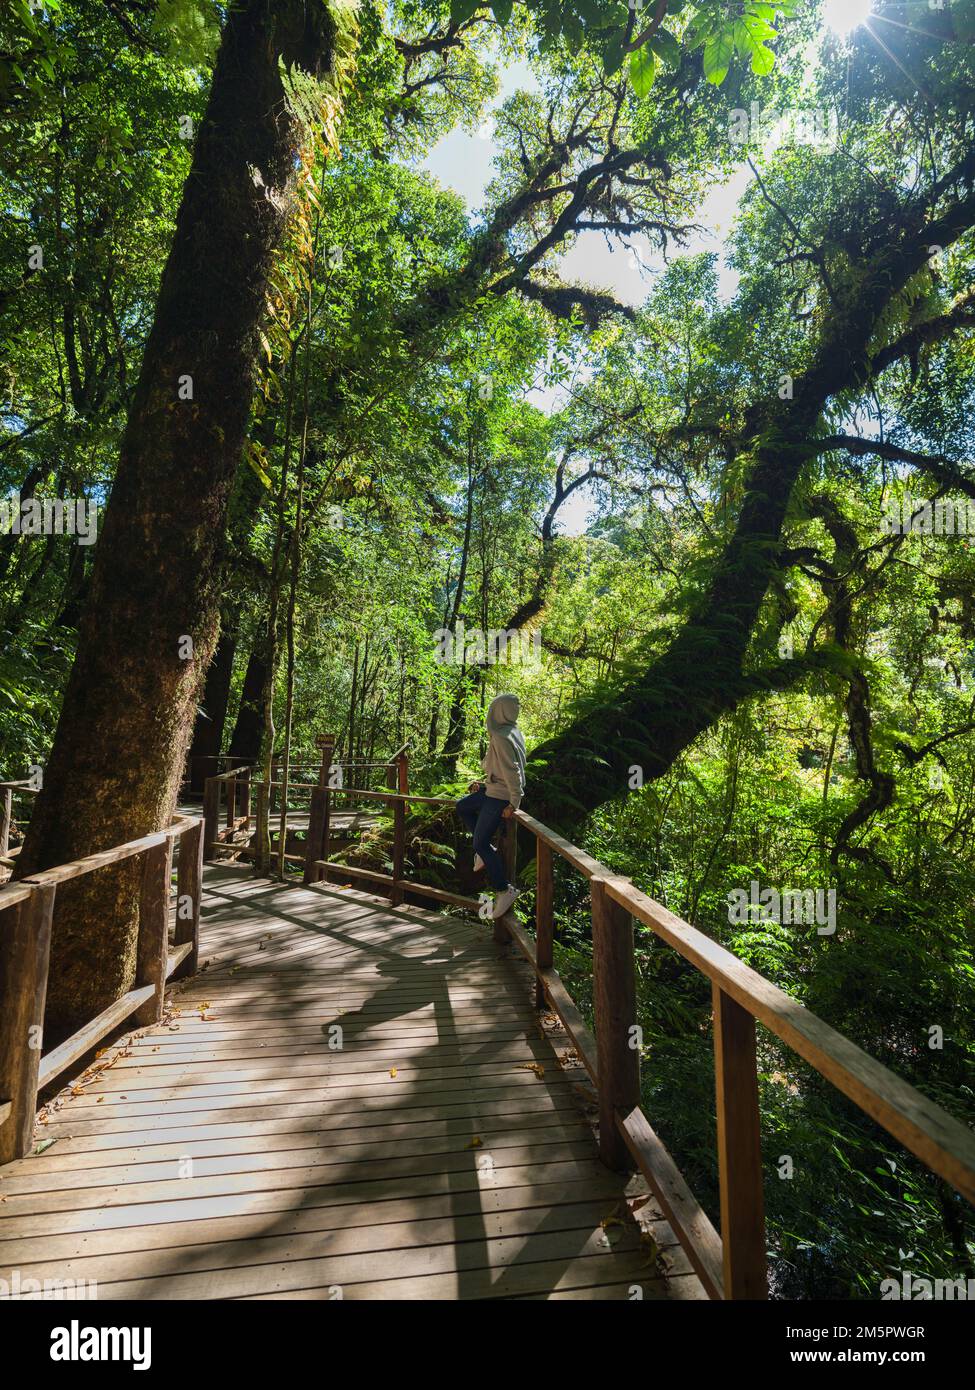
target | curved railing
[
  {"x": 26, "y": 913},
  {"x": 731, "y": 1265}
]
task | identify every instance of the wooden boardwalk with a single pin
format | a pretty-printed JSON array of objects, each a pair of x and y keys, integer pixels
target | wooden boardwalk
[{"x": 434, "y": 1148}]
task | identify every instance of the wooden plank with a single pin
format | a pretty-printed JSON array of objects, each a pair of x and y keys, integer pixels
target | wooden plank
[
  {"x": 441, "y": 895},
  {"x": 381, "y": 1138},
  {"x": 25, "y": 952},
  {"x": 336, "y": 1164},
  {"x": 940, "y": 1141},
  {"x": 739, "y": 1151},
  {"x": 60, "y": 1058},
  {"x": 244, "y": 1238},
  {"x": 689, "y": 1221},
  {"x": 519, "y": 1281},
  {"x": 343, "y": 1187},
  {"x": 561, "y": 1001},
  {"x": 151, "y": 950},
  {"x": 614, "y": 999},
  {"x": 175, "y": 959}
]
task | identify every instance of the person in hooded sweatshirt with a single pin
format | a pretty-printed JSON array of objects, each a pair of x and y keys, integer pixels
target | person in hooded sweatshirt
[{"x": 498, "y": 797}]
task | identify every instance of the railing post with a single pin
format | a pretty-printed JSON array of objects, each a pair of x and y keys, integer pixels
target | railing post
[
  {"x": 231, "y": 784},
  {"x": 544, "y": 919},
  {"x": 245, "y": 795},
  {"x": 739, "y": 1150},
  {"x": 211, "y": 815},
  {"x": 6, "y": 816},
  {"x": 25, "y": 953},
  {"x": 316, "y": 830},
  {"x": 509, "y": 853},
  {"x": 403, "y": 772},
  {"x": 152, "y": 949},
  {"x": 399, "y": 852},
  {"x": 614, "y": 999},
  {"x": 189, "y": 886},
  {"x": 260, "y": 830}
]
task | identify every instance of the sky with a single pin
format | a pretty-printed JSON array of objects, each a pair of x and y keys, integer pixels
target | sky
[{"x": 463, "y": 163}]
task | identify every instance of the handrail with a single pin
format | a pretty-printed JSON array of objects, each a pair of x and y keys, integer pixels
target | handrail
[
  {"x": 731, "y": 1265},
  {"x": 26, "y": 913},
  {"x": 7, "y": 814},
  {"x": 223, "y": 785}
]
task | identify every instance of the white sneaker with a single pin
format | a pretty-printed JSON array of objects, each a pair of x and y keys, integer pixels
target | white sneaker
[
  {"x": 503, "y": 901},
  {"x": 478, "y": 863}
]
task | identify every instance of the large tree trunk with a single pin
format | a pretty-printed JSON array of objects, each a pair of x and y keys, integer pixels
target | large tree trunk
[
  {"x": 248, "y": 734},
  {"x": 706, "y": 670},
  {"x": 212, "y": 714},
  {"x": 121, "y": 740}
]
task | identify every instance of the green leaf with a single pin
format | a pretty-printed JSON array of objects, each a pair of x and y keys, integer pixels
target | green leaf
[
  {"x": 614, "y": 55},
  {"x": 501, "y": 10},
  {"x": 643, "y": 70},
  {"x": 763, "y": 60},
  {"x": 718, "y": 53},
  {"x": 461, "y": 10},
  {"x": 666, "y": 47}
]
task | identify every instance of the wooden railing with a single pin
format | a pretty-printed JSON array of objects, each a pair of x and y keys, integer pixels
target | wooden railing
[
  {"x": 26, "y": 911},
  {"x": 7, "y": 791},
  {"x": 229, "y": 793},
  {"x": 731, "y": 1265}
]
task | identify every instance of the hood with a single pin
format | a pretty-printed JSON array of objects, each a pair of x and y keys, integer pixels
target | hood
[{"x": 503, "y": 713}]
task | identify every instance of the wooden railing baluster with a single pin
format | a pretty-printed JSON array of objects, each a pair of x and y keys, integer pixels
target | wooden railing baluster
[
  {"x": 544, "y": 916},
  {"x": 211, "y": 814},
  {"x": 189, "y": 888},
  {"x": 399, "y": 851},
  {"x": 316, "y": 828},
  {"x": 153, "y": 945},
  {"x": 614, "y": 1000},
  {"x": 25, "y": 951},
  {"x": 739, "y": 1150}
]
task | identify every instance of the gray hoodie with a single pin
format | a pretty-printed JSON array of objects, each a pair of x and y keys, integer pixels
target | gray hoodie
[{"x": 504, "y": 762}]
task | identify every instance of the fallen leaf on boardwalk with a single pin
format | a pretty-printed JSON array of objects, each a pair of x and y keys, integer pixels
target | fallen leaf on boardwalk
[
  {"x": 639, "y": 1202},
  {"x": 99, "y": 1100},
  {"x": 392, "y": 1071},
  {"x": 44, "y": 1144},
  {"x": 650, "y": 1246},
  {"x": 476, "y": 1142},
  {"x": 536, "y": 1067}
]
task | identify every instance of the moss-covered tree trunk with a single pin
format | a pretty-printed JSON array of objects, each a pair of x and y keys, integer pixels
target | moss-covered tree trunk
[{"x": 151, "y": 621}]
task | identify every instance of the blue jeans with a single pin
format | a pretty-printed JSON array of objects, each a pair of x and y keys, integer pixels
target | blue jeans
[{"x": 482, "y": 815}]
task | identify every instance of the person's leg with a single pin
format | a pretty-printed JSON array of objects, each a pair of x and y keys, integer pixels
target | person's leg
[
  {"x": 487, "y": 823},
  {"x": 468, "y": 808}
]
